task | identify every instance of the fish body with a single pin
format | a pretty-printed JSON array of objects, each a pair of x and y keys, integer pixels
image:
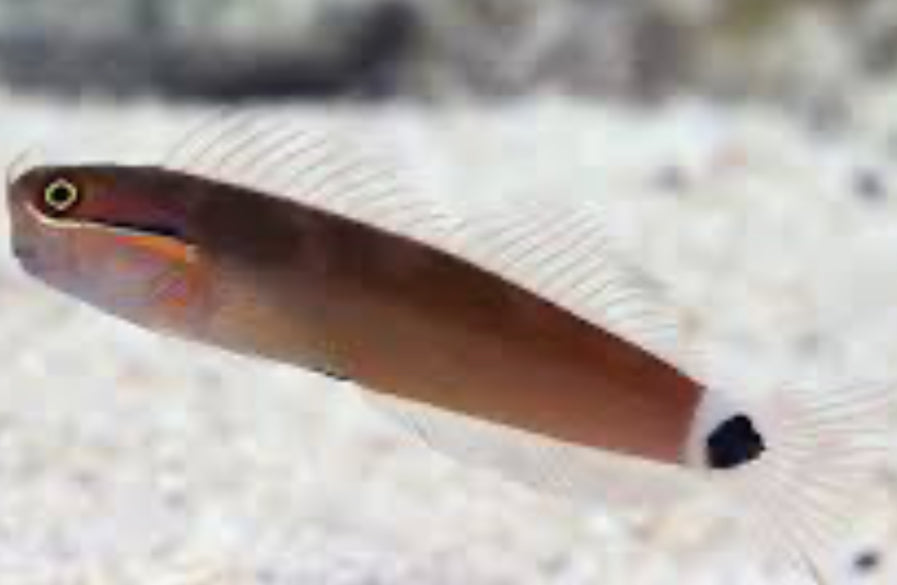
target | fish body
[
  {"x": 522, "y": 331},
  {"x": 307, "y": 287}
]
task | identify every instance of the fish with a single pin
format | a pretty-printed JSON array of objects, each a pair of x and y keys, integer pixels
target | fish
[{"x": 521, "y": 340}]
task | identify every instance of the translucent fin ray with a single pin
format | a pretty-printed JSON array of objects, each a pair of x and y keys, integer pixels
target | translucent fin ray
[
  {"x": 821, "y": 456},
  {"x": 319, "y": 167}
]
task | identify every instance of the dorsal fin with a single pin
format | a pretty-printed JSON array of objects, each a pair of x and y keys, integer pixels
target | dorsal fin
[
  {"x": 323, "y": 167},
  {"x": 555, "y": 250}
]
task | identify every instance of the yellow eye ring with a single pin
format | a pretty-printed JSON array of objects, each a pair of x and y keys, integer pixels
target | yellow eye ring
[{"x": 61, "y": 195}]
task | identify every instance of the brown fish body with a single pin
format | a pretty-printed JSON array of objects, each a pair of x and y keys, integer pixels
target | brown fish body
[
  {"x": 415, "y": 322},
  {"x": 293, "y": 283}
]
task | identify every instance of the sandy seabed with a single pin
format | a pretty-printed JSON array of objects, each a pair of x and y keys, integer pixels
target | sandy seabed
[{"x": 129, "y": 458}]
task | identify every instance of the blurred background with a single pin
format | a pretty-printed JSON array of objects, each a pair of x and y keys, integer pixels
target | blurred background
[
  {"x": 745, "y": 152},
  {"x": 804, "y": 51}
]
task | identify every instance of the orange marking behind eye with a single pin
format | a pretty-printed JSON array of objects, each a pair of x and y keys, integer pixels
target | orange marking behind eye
[{"x": 169, "y": 248}]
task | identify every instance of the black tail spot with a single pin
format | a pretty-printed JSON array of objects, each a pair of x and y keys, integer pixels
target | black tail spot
[{"x": 734, "y": 442}]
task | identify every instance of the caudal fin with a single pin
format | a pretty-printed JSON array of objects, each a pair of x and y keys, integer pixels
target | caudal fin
[{"x": 799, "y": 463}]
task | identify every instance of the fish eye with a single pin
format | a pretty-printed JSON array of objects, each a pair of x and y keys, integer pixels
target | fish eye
[{"x": 61, "y": 195}]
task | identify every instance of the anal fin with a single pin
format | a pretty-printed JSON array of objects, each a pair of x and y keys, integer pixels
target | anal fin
[{"x": 548, "y": 466}]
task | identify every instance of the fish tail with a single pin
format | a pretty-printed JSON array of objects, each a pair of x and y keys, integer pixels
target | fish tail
[{"x": 799, "y": 464}]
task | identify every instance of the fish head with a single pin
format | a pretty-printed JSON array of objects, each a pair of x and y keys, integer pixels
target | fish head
[{"x": 118, "y": 238}]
